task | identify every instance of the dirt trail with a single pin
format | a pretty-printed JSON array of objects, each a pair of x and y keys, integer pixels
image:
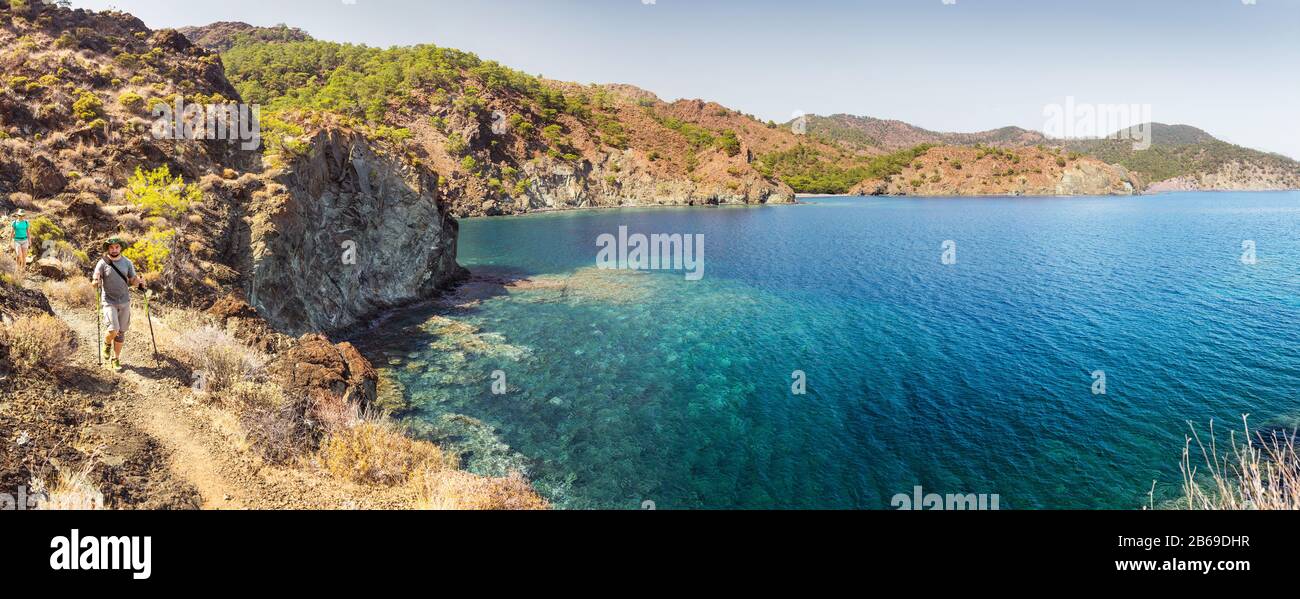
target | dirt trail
[{"x": 205, "y": 443}]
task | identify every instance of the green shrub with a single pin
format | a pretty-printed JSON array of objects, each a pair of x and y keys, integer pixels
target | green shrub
[
  {"x": 88, "y": 107},
  {"x": 456, "y": 145},
  {"x": 808, "y": 170},
  {"x": 552, "y": 133},
  {"x": 150, "y": 253},
  {"x": 25, "y": 85},
  {"x": 161, "y": 194},
  {"x": 613, "y": 134},
  {"x": 395, "y": 135},
  {"x": 283, "y": 137},
  {"x": 42, "y": 229},
  {"x": 128, "y": 60},
  {"x": 131, "y": 101},
  {"x": 729, "y": 143}
]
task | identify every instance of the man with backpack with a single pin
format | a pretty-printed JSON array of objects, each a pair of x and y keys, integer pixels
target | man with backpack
[{"x": 114, "y": 276}]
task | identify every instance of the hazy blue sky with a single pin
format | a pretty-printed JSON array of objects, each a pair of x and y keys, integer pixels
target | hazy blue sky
[{"x": 1225, "y": 66}]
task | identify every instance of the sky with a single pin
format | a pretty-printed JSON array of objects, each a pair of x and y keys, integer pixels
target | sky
[{"x": 1231, "y": 67}]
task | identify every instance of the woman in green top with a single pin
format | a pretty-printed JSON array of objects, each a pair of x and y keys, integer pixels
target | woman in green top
[{"x": 22, "y": 244}]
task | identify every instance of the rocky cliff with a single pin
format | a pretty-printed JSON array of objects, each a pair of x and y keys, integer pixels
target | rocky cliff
[
  {"x": 967, "y": 171},
  {"x": 345, "y": 231},
  {"x": 1234, "y": 176}
]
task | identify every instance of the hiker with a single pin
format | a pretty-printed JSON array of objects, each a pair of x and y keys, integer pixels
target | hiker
[
  {"x": 22, "y": 243},
  {"x": 114, "y": 276}
]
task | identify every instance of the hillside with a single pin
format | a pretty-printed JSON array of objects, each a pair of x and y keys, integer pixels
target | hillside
[
  {"x": 1181, "y": 157},
  {"x": 507, "y": 142},
  {"x": 222, "y": 36},
  {"x": 247, "y": 403},
  {"x": 1184, "y": 158},
  {"x": 74, "y": 118},
  {"x": 982, "y": 170},
  {"x": 862, "y": 133}
]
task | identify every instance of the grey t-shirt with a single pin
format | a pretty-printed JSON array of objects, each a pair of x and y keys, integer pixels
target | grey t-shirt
[{"x": 116, "y": 291}]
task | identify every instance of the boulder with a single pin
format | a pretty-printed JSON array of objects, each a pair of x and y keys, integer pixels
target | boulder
[
  {"x": 51, "y": 268},
  {"x": 16, "y": 301},
  {"x": 232, "y": 306},
  {"x": 242, "y": 321},
  {"x": 41, "y": 178},
  {"x": 171, "y": 39},
  {"x": 318, "y": 369}
]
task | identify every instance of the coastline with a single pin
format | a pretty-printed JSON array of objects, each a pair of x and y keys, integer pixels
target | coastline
[
  {"x": 552, "y": 211},
  {"x": 556, "y": 211}
]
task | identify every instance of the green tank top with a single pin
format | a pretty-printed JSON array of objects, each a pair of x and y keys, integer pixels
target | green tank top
[{"x": 20, "y": 230}]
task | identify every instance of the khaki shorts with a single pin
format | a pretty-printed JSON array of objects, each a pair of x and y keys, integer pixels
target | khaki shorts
[
  {"x": 118, "y": 319},
  {"x": 22, "y": 246}
]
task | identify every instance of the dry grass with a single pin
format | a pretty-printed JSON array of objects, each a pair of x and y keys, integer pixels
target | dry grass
[
  {"x": 460, "y": 490},
  {"x": 22, "y": 200},
  {"x": 1259, "y": 474},
  {"x": 72, "y": 491},
  {"x": 329, "y": 414},
  {"x": 272, "y": 422},
  {"x": 39, "y": 344},
  {"x": 220, "y": 361},
  {"x": 8, "y": 264},
  {"x": 130, "y": 222},
  {"x": 372, "y": 450},
  {"x": 77, "y": 292}
]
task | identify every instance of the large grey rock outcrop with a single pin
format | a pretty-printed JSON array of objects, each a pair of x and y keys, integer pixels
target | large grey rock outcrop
[
  {"x": 344, "y": 233},
  {"x": 622, "y": 178}
]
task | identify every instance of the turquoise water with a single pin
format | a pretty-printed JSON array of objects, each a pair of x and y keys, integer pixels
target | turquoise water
[{"x": 974, "y": 377}]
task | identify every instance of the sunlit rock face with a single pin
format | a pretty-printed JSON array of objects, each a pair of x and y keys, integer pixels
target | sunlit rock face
[{"x": 347, "y": 232}]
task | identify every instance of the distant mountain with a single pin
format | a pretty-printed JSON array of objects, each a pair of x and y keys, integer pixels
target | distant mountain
[
  {"x": 1180, "y": 157},
  {"x": 223, "y": 35},
  {"x": 867, "y": 133}
]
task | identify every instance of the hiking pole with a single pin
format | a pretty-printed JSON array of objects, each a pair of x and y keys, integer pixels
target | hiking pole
[
  {"x": 99, "y": 327},
  {"x": 148, "y": 317}
]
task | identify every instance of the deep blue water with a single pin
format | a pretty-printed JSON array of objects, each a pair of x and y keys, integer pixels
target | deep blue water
[{"x": 974, "y": 377}]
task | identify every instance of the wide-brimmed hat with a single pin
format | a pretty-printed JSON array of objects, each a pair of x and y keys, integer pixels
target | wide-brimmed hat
[
  {"x": 114, "y": 241},
  {"x": 20, "y": 213}
]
